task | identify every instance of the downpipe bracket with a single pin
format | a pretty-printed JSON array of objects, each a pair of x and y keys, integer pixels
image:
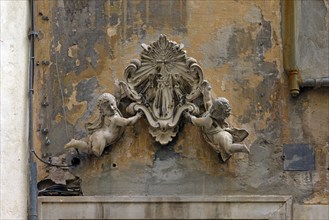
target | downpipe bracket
[
  {"x": 36, "y": 34},
  {"x": 294, "y": 82}
]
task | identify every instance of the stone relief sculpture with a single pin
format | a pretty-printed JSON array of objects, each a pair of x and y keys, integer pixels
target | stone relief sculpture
[
  {"x": 163, "y": 85},
  {"x": 216, "y": 131},
  {"x": 206, "y": 92},
  {"x": 106, "y": 129}
]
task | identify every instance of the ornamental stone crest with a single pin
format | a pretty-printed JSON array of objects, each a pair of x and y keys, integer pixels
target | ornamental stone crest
[{"x": 164, "y": 85}]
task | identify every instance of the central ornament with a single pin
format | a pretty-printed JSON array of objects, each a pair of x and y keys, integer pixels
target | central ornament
[{"x": 163, "y": 84}]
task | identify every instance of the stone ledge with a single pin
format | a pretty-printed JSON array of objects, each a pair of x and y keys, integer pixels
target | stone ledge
[
  {"x": 307, "y": 212},
  {"x": 166, "y": 207}
]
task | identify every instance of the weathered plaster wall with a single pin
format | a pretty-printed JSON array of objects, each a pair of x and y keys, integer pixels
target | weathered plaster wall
[
  {"x": 312, "y": 38},
  {"x": 308, "y": 115},
  {"x": 13, "y": 87},
  {"x": 239, "y": 46}
]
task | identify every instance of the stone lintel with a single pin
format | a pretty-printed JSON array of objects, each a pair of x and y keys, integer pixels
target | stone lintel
[{"x": 166, "y": 207}]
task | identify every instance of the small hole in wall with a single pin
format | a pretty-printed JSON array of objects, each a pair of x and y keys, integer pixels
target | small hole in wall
[
  {"x": 75, "y": 161},
  {"x": 114, "y": 165}
]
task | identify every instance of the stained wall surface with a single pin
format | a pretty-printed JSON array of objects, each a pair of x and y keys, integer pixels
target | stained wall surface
[{"x": 238, "y": 44}]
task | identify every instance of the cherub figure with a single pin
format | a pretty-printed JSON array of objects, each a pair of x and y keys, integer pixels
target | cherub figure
[
  {"x": 216, "y": 131},
  {"x": 106, "y": 129}
]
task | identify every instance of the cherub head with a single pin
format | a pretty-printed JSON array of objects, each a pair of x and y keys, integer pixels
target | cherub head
[
  {"x": 220, "y": 109},
  {"x": 106, "y": 104}
]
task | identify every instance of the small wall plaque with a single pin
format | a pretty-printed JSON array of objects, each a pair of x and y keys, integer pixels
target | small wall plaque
[{"x": 298, "y": 157}]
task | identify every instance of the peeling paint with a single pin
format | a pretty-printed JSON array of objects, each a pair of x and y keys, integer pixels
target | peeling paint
[
  {"x": 239, "y": 46},
  {"x": 73, "y": 51}
]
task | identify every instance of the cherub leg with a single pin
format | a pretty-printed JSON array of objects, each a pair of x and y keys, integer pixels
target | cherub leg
[
  {"x": 225, "y": 140},
  {"x": 235, "y": 148},
  {"x": 79, "y": 144}
]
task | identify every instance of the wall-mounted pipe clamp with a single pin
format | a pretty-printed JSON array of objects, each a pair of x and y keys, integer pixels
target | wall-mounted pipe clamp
[
  {"x": 36, "y": 34},
  {"x": 294, "y": 82}
]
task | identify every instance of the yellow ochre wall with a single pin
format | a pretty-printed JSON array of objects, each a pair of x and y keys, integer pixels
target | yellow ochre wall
[{"x": 238, "y": 44}]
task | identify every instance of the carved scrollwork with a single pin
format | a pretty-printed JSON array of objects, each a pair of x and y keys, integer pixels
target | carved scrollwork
[{"x": 163, "y": 84}]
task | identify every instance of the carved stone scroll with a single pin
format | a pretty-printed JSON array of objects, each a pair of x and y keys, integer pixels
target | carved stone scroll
[{"x": 163, "y": 84}]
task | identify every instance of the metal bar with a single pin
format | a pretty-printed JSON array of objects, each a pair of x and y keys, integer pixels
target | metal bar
[
  {"x": 289, "y": 14},
  {"x": 316, "y": 83},
  {"x": 289, "y": 45},
  {"x": 289, "y": 33},
  {"x": 32, "y": 212}
]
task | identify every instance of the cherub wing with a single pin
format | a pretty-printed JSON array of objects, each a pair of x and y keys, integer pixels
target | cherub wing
[{"x": 238, "y": 134}]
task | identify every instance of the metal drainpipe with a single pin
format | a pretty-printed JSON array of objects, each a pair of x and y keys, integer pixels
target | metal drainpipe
[
  {"x": 289, "y": 31},
  {"x": 316, "y": 83},
  {"x": 32, "y": 212}
]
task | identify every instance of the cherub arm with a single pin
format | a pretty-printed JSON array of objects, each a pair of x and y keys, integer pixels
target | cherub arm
[
  {"x": 201, "y": 122},
  {"x": 206, "y": 91},
  {"x": 120, "y": 121}
]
